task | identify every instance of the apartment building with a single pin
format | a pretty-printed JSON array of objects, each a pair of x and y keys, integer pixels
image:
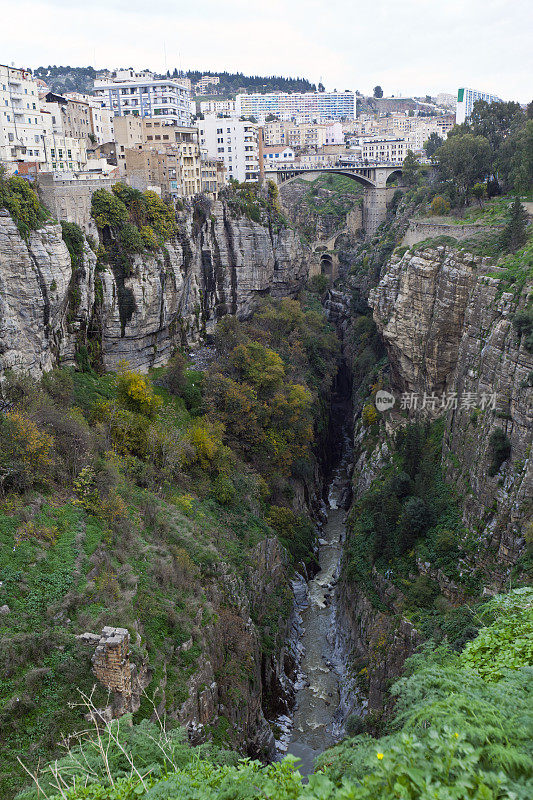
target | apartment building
[
  {"x": 308, "y": 106},
  {"x": 206, "y": 83},
  {"x": 178, "y": 175},
  {"x": 64, "y": 153},
  {"x": 391, "y": 150},
  {"x": 139, "y": 94},
  {"x": 128, "y": 134},
  {"x": 213, "y": 175},
  {"x": 277, "y": 155},
  {"x": 235, "y": 142},
  {"x": 466, "y": 99},
  {"x": 100, "y": 117},
  {"x": 21, "y": 120},
  {"x": 224, "y": 107},
  {"x": 302, "y": 135}
]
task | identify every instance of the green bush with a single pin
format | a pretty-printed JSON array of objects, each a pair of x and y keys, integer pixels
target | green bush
[{"x": 22, "y": 203}]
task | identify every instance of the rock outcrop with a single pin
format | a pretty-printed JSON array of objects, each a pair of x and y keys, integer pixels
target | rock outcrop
[{"x": 217, "y": 264}]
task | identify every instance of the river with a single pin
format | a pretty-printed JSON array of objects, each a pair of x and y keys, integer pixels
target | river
[{"x": 317, "y": 721}]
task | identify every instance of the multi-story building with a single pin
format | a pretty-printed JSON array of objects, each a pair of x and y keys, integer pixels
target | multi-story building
[
  {"x": 128, "y": 134},
  {"x": 140, "y": 94},
  {"x": 466, "y": 99},
  {"x": 64, "y": 153},
  {"x": 224, "y": 107},
  {"x": 212, "y": 175},
  {"x": 206, "y": 83},
  {"x": 303, "y": 135},
  {"x": 277, "y": 154},
  {"x": 100, "y": 117},
  {"x": 308, "y": 106},
  {"x": 167, "y": 156},
  {"x": 235, "y": 142},
  {"x": 391, "y": 150},
  {"x": 177, "y": 174},
  {"x": 21, "y": 120}
]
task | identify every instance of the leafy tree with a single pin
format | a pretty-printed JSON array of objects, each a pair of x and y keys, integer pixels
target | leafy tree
[
  {"x": 159, "y": 215},
  {"x": 410, "y": 169},
  {"x": 433, "y": 144},
  {"x": 478, "y": 191},
  {"x": 464, "y": 160},
  {"x": 378, "y": 91},
  {"x": 495, "y": 121},
  {"x": 22, "y": 203},
  {"x": 521, "y": 159},
  {"x": 515, "y": 233},
  {"x": 108, "y": 210}
]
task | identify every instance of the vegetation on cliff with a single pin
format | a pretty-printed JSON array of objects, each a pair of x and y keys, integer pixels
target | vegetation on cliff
[
  {"x": 139, "y": 503},
  {"x": 460, "y": 729}
]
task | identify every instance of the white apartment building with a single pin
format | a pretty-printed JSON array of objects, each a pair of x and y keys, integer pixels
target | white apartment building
[
  {"x": 277, "y": 155},
  {"x": 129, "y": 93},
  {"x": 21, "y": 120},
  {"x": 226, "y": 107},
  {"x": 466, "y": 99},
  {"x": 64, "y": 153},
  {"x": 305, "y": 106},
  {"x": 391, "y": 150},
  {"x": 233, "y": 141}
]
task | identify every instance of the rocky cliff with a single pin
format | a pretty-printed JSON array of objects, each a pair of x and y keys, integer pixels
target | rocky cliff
[
  {"x": 447, "y": 323},
  {"x": 217, "y": 264}
]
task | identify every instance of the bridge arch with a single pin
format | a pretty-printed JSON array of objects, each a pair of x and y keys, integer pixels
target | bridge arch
[
  {"x": 282, "y": 180},
  {"x": 397, "y": 173}
]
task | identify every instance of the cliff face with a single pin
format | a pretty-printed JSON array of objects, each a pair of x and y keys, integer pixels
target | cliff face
[
  {"x": 448, "y": 329},
  {"x": 216, "y": 265}
]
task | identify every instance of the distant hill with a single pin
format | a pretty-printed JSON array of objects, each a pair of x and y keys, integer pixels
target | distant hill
[
  {"x": 67, "y": 79},
  {"x": 81, "y": 79}
]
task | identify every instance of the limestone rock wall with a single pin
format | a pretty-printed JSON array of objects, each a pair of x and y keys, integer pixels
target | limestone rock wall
[
  {"x": 447, "y": 325},
  {"x": 216, "y": 265}
]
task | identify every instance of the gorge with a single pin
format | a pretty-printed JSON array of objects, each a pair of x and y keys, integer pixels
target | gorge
[{"x": 190, "y": 508}]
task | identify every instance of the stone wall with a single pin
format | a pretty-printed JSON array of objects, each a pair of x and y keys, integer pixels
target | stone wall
[
  {"x": 70, "y": 199},
  {"x": 421, "y": 229}
]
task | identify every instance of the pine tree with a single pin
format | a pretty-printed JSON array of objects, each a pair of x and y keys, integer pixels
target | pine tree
[{"x": 514, "y": 235}]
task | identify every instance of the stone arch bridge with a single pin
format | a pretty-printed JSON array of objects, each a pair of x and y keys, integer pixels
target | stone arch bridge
[{"x": 374, "y": 177}]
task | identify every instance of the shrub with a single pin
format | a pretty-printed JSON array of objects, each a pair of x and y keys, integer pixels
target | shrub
[
  {"x": 131, "y": 238},
  {"x": 499, "y": 450},
  {"x": 175, "y": 380},
  {"x": 108, "y": 210},
  {"x": 136, "y": 394},
  {"x": 22, "y": 203},
  {"x": 369, "y": 415},
  {"x": 25, "y": 451},
  {"x": 439, "y": 206}
]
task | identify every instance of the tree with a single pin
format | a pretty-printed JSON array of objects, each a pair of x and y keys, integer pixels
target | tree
[
  {"x": 378, "y": 91},
  {"x": 106, "y": 209},
  {"x": 410, "y": 169},
  {"x": 439, "y": 206},
  {"x": 464, "y": 160},
  {"x": 478, "y": 191},
  {"x": 433, "y": 144},
  {"x": 521, "y": 159},
  {"x": 514, "y": 235},
  {"x": 321, "y": 87}
]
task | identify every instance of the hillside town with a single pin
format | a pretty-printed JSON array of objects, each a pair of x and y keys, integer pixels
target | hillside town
[{"x": 179, "y": 138}]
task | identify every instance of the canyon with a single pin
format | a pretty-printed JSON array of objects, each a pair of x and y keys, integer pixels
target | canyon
[{"x": 445, "y": 322}]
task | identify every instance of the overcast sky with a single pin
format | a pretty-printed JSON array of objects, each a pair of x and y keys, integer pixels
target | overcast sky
[{"x": 406, "y": 46}]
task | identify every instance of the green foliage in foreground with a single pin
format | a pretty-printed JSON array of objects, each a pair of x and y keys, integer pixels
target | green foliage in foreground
[
  {"x": 22, "y": 203},
  {"x": 455, "y": 736}
]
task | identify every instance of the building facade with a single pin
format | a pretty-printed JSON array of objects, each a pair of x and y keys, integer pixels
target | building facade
[
  {"x": 466, "y": 99},
  {"x": 140, "y": 94},
  {"x": 276, "y": 155},
  {"x": 307, "y": 106},
  {"x": 390, "y": 150},
  {"x": 235, "y": 142},
  {"x": 21, "y": 120}
]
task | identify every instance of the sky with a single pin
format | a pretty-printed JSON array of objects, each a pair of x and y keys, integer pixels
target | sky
[{"x": 406, "y": 46}]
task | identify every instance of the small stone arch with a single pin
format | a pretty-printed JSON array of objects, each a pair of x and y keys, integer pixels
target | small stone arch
[{"x": 326, "y": 265}]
